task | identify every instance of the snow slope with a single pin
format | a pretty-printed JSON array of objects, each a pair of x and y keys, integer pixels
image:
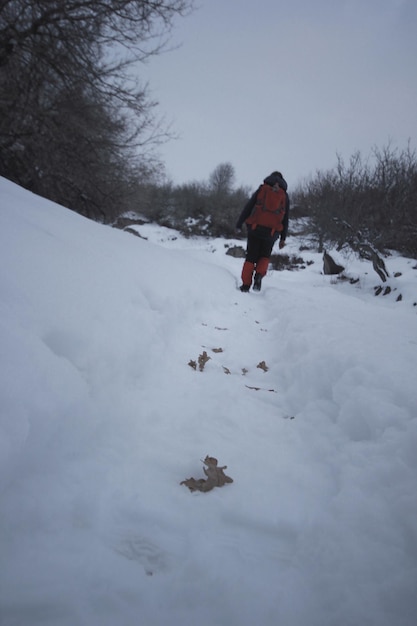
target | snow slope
[{"x": 102, "y": 417}]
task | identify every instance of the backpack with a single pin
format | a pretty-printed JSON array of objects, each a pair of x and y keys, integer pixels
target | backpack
[{"x": 269, "y": 209}]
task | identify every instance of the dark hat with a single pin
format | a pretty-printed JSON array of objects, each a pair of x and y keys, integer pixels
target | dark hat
[{"x": 276, "y": 178}]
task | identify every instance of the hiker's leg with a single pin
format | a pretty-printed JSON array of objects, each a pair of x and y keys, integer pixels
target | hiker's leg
[
  {"x": 262, "y": 266},
  {"x": 253, "y": 248},
  {"x": 247, "y": 272},
  {"x": 252, "y": 254},
  {"x": 264, "y": 253}
]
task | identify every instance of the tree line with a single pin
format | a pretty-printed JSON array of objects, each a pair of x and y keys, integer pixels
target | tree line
[
  {"x": 209, "y": 208},
  {"x": 365, "y": 205}
]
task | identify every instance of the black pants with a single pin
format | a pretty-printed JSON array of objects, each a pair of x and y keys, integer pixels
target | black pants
[{"x": 258, "y": 245}]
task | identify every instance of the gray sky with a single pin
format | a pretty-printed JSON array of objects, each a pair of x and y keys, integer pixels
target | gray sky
[{"x": 268, "y": 85}]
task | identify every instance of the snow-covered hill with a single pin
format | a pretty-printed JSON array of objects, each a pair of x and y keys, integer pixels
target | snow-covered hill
[{"x": 102, "y": 417}]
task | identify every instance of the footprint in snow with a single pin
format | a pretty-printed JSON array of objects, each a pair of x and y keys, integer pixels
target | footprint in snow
[{"x": 142, "y": 550}]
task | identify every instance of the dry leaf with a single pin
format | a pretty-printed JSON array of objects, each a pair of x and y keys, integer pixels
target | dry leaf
[
  {"x": 215, "y": 477},
  {"x": 202, "y": 360}
]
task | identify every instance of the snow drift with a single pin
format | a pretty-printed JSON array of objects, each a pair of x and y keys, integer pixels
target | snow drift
[{"x": 102, "y": 418}]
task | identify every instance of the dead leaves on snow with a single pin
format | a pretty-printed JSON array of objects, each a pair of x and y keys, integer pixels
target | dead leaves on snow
[
  {"x": 260, "y": 389},
  {"x": 204, "y": 358},
  {"x": 201, "y": 361}
]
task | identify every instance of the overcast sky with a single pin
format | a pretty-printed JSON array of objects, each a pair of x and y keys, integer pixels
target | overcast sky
[{"x": 266, "y": 84}]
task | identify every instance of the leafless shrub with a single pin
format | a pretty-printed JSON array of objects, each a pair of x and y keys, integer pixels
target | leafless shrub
[{"x": 365, "y": 202}]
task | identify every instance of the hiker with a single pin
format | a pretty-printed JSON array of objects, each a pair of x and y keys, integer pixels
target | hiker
[{"x": 266, "y": 216}]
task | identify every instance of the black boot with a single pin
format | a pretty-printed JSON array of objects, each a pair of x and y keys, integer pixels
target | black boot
[
  {"x": 244, "y": 288},
  {"x": 257, "y": 282}
]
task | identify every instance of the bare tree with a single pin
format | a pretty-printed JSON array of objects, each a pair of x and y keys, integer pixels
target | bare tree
[
  {"x": 69, "y": 93},
  {"x": 222, "y": 179}
]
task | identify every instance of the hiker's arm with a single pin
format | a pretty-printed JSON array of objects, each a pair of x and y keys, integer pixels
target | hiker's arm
[
  {"x": 285, "y": 219},
  {"x": 247, "y": 210}
]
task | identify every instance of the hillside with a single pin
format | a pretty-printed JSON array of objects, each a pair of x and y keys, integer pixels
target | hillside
[{"x": 102, "y": 417}]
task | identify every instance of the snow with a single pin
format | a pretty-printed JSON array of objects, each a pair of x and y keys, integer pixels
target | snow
[{"x": 102, "y": 418}]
